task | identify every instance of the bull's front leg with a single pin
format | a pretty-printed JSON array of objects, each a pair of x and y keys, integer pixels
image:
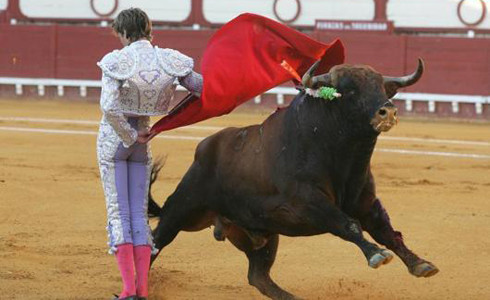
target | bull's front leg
[
  {"x": 310, "y": 212},
  {"x": 377, "y": 223}
]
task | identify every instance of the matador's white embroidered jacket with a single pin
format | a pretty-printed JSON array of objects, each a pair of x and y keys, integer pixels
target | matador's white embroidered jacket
[{"x": 139, "y": 80}]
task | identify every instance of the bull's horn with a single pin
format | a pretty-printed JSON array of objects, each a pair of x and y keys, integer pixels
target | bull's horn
[
  {"x": 310, "y": 81},
  {"x": 394, "y": 83}
]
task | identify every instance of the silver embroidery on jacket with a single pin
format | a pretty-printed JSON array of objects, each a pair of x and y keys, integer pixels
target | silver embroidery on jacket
[{"x": 147, "y": 77}]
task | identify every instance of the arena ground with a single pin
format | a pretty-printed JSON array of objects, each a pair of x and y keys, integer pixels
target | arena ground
[{"x": 52, "y": 216}]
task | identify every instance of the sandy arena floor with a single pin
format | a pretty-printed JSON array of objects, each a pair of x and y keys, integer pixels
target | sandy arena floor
[{"x": 52, "y": 216}]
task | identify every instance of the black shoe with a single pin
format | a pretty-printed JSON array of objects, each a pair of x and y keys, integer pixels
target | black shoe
[{"x": 134, "y": 297}]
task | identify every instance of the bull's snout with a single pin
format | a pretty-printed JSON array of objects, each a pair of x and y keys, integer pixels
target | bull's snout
[{"x": 385, "y": 118}]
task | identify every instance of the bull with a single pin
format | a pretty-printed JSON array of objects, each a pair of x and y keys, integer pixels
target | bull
[{"x": 304, "y": 171}]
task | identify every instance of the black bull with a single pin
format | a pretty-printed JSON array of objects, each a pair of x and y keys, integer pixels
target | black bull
[{"x": 304, "y": 171}]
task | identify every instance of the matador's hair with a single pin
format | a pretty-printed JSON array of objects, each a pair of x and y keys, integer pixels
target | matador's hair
[{"x": 133, "y": 23}]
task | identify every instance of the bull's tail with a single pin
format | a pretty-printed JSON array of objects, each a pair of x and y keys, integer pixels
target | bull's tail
[{"x": 154, "y": 209}]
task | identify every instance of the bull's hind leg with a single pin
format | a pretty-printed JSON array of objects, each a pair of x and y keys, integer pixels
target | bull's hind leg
[
  {"x": 183, "y": 210},
  {"x": 174, "y": 218},
  {"x": 377, "y": 223},
  {"x": 260, "y": 262}
]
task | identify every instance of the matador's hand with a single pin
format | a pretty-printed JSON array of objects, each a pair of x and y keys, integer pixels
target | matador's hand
[{"x": 143, "y": 136}]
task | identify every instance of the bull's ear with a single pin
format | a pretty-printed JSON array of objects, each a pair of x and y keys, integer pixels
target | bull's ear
[{"x": 392, "y": 84}]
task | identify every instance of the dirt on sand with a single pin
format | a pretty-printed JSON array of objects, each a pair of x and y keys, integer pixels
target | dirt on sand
[{"x": 52, "y": 216}]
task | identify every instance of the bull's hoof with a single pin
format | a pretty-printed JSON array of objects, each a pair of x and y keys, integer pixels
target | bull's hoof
[
  {"x": 381, "y": 258},
  {"x": 424, "y": 269},
  {"x": 269, "y": 288},
  {"x": 284, "y": 296}
]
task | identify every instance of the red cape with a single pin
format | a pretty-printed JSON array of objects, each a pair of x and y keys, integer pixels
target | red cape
[{"x": 245, "y": 58}]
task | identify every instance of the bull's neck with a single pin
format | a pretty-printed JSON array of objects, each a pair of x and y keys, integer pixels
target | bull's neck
[
  {"x": 332, "y": 123},
  {"x": 329, "y": 147},
  {"x": 337, "y": 139}
]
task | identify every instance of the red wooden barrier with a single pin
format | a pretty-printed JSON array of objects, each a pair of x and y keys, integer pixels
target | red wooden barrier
[
  {"x": 27, "y": 51},
  {"x": 454, "y": 65}
]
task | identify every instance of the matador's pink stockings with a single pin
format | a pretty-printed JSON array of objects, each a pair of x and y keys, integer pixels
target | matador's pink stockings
[
  {"x": 142, "y": 256},
  {"x": 125, "y": 262}
]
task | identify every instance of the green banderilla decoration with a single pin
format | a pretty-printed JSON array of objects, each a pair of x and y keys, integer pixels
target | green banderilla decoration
[{"x": 328, "y": 93}]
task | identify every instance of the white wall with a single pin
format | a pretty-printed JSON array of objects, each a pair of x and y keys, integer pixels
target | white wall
[
  {"x": 157, "y": 10},
  {"x": 221, "y": 11},
  {"x": 404, "y": 13},
  {"x": 436, "y": 13},
  {"x": 3, "y": 4}
]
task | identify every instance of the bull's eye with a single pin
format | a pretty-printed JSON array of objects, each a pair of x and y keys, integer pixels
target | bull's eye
[{"x": 382, "y": 112}]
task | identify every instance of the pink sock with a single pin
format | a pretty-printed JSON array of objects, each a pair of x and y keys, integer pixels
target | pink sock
[
  {"x": 142, "y": 256},
  {"x": 125, "y": 262}
]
